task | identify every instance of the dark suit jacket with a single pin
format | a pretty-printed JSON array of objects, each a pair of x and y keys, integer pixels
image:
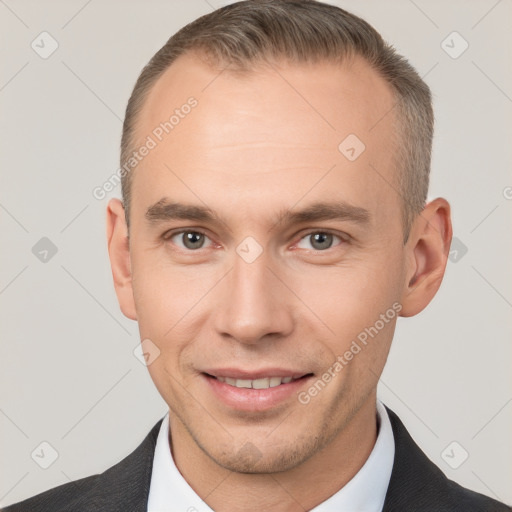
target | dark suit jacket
[{"x": 416, "y": 485}]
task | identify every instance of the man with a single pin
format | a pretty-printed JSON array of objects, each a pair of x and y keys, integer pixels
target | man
[{"x": 273, "y": 227}]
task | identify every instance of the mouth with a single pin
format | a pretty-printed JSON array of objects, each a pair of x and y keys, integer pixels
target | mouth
[
  {"x": 257, "y": 391},
  {"x": 259, "y": 383}
]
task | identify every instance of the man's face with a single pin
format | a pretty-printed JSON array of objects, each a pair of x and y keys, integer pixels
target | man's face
[{"x": 254, "y": 292}]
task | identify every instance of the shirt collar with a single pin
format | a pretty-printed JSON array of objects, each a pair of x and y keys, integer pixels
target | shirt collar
[{"x": 170, "y": 491}]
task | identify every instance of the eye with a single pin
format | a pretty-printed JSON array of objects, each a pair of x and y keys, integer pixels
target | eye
[
  {"x": 189, "y": 240},
  {"x": 318, "y": 240}
]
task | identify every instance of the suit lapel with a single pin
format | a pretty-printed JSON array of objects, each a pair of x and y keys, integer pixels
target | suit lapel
[
  {"x": 125, "y": 486},
  {"x": 413, "y": 476}
]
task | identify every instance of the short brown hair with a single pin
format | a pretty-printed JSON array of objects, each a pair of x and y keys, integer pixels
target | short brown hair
[{"x": 245, "y": 33}]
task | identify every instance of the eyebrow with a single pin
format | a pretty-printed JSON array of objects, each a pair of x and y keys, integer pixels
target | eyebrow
[
  {"x": 337, "y": 210},
  {"x": 163, "y": 210}
]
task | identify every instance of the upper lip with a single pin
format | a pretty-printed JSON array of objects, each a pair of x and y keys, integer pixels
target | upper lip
[{"x": 237, "y": 373}]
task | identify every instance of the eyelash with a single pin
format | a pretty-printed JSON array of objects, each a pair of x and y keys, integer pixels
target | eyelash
[
  {"x": 170, "y": 234},
  {"x": 342, "y": 237}
]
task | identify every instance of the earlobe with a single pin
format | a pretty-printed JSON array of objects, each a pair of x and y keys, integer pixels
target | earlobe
[
  {"x": 427, "y": 254},
  {"x": 119, "y": 253}
]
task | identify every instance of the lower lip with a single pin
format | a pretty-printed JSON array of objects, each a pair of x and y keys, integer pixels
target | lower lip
[{"x": 249, "y": 399}]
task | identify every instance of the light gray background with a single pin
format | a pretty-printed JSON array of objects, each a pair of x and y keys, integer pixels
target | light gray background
[{"x": 68, "y": 373}]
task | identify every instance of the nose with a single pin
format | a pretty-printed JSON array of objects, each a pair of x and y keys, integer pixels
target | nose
[{"x": 254, "y": 305}]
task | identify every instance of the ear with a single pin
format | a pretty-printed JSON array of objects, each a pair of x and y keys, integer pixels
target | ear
[
  {"x": 427, "y": 253},
  {"x": 119, "y": 253}
]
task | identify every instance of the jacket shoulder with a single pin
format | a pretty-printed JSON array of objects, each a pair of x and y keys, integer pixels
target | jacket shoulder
[
  {"x": 61, "y": 498},
  {"x": 417, "y": 484},
  {"x": 124, "y": 486}
]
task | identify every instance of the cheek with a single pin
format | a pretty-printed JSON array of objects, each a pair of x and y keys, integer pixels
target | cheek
[
  {"x": 352, "y": 298},
  {"x": 351, "y": 303},
  {"x": 170, "y": 311},
  {"x": 164, "y": 293},
  {"x": 153, "y": 301}
]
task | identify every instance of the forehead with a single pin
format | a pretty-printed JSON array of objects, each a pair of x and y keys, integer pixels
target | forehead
[{"x": 267, "y": 136}]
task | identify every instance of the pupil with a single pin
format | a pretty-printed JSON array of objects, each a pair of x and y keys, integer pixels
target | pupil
[{"x": 322, "y": 240}]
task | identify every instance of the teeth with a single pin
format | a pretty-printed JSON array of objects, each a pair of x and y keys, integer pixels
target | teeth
[
  {"x": 260, "y": 383},
  {"x": 274, "y": 381},
  {"x": 243, "y": 383},
  {"x": 264, "y": 383}
]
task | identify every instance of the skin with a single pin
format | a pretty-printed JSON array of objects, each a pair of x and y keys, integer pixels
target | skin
[{"x": 254, "y": 147}]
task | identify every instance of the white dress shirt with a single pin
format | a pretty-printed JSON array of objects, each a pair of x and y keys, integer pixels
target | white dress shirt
[{"x": 170, "y": 492}]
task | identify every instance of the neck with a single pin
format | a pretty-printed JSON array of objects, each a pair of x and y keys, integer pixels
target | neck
[{"x": 300, "y": 488}]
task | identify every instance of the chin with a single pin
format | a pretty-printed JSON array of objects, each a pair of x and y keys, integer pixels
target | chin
[{"x": 254, "y": 458}]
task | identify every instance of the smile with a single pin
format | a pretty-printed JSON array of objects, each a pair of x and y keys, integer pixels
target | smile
[
  {"x": 254, "y": 391},
  {"x": 264, "y": 383}
]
